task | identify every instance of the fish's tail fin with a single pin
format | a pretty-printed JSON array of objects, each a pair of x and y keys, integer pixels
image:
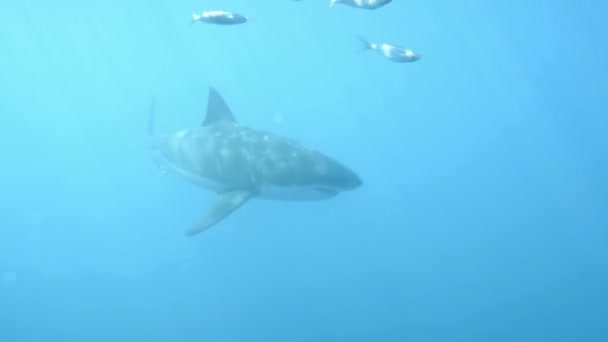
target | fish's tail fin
[
  {"x": 365, "y": 45},
  {"x": 195, "y": 18},
  {"x": 332, "y": 3}
]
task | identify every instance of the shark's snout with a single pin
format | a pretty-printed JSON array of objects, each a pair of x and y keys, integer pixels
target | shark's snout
[
  {"x": 343, "y": 179},
  {"x": 352, "y": 181},
  {"x": 356, "y": 183}
]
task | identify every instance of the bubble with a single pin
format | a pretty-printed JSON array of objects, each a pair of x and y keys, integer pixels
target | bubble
[
  {"x": 9, "y": 278},
  {"x": 277, "y": 118}
]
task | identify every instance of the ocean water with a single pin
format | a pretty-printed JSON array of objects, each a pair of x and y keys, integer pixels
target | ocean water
[{"x": 483, "y": 214}]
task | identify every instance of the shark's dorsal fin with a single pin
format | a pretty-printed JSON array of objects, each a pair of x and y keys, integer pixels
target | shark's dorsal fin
[{"x": 217, "y": 109}]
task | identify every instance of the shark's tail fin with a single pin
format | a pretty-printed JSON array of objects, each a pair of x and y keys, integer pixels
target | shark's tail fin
[
  {"x": 365, "y": 45},
  {"x": 333, "y": 2},
  {"x": 152, "y": 141}
]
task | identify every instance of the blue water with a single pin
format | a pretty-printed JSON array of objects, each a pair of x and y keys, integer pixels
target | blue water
[{"x": 484, "y": 210}]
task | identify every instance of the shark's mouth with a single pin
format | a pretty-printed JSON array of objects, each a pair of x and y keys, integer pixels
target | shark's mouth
[
  {"x": 296, "y": 193},
  {"x": 325, "y": 190}
]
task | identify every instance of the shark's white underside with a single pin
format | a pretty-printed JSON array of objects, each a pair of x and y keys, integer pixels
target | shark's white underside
[{"x": 265, "y": 191}]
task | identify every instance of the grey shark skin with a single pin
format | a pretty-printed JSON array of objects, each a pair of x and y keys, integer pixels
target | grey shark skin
[{"x": 240, "y": 163}]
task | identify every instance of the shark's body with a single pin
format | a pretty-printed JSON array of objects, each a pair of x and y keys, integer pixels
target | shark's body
[{"x": 240, "y": 163}]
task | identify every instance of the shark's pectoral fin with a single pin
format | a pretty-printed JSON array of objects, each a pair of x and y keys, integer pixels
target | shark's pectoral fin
[{"x": 224, "y": 204}]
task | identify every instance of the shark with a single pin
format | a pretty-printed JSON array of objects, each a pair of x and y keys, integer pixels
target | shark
[{"x": 240, "y": 163}]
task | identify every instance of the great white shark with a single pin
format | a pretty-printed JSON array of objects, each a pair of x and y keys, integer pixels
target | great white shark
[{"x": 240, "y": 163}]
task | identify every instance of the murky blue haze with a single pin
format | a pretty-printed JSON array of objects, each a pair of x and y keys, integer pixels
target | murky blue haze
[{"x": 484, "y": 210}]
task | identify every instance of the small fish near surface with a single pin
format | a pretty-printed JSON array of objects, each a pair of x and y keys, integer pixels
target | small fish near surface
[
  {"x": 393, "y": 53},
  {"x": 219, "y": 18},
  {"x": 364, "y": 4},
  {"x": 240, "y": 163}
]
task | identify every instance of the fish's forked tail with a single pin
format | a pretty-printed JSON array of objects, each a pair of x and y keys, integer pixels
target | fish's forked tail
[
  {"x": 365, "y": 45},
  {"x": 195, "y": 18},
  {"x": 333, "y": 2}
]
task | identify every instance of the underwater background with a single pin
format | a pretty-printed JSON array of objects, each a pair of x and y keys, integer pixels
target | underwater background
[{"x": 483, "y": 214}]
